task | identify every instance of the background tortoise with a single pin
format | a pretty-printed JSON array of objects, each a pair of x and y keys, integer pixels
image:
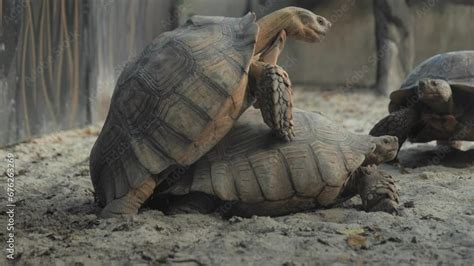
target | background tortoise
[
  {"x": 435, "y": 102},
  {"x": 184, "y": 93},
  {"x": 255, "y": 174}
]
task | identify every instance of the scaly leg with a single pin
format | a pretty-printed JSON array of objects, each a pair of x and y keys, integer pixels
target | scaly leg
[
  {"x": 272, "y": 89},
  {"x": 131, "y": 202},
  {"x": 398, "y": 124},
  {"x": 274, "y": 99},
  {"x": 134, "y": 199},
  {"x": 376, "y": 188}
]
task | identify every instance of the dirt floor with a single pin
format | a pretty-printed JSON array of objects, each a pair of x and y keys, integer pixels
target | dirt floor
[{"x": 56, "y": 222}]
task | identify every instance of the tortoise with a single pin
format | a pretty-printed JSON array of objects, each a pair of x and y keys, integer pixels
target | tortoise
[
  {"x": 434, "y": 102},
  {"x": 184, "y": 92},
  {"x": 249, "y": 172}
]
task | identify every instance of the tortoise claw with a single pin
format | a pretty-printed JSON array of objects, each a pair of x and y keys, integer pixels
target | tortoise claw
[
  {"x": 379, "y": 192},
  {"x": 386, "y": 205},
  {"x": 287, "y": 134}
]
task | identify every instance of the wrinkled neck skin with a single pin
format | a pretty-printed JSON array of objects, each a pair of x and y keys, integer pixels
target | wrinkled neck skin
[
  {"x": 371, "y": 159},
  {"x": 442, "y": 108},
  {"x": 374, "y": 157},
  {"x": 270, "y": 26}
]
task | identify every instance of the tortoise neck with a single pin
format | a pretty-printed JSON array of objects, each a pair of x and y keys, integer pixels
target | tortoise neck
[{"x": 269, "y": 28}]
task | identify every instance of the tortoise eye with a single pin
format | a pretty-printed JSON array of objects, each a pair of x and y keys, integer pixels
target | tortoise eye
[
  {"x": 321, "y": 21},
  {"x": 434, "y": 83}
]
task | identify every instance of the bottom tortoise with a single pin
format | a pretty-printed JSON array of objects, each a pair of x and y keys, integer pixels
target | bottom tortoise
[{"x": 252, "y": 173}]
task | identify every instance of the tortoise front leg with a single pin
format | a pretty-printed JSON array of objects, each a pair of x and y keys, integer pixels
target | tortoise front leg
[
  {"x": 271, "y": 87},
  {"x": 376, "y": 189},
  {"x": 399, "y": 124},
  {"x": 273, "y": 94}
]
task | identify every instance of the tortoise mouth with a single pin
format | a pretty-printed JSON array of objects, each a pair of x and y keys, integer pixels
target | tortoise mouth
[
  {"x": 319, "y": 35},
  {"x": 314, "y": 34},
  {"x": 393, "y": 150},
  {"x": 432, "y": 96},
  {"x": 390, "y": 155}
]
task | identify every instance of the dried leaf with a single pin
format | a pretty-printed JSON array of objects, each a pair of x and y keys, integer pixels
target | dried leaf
[
  {"x": 352, "y": 231},
  {"x": 356, "y": 241}
]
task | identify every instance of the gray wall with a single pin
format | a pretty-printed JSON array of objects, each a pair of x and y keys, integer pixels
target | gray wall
[
  {"x": 442, "y": 27},
  {"x": 345, "y": 59}
]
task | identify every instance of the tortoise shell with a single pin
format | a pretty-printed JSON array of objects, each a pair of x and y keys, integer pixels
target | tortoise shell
[
  {"x": 457, "y": 68},
  {"x": 265, "y": 176},
  {"x": 174, "y": 102}
]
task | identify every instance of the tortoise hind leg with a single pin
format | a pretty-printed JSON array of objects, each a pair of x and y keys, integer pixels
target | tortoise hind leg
[
  {"x": 376, "y": 188},
  {"x": 135, "y": 198},
  {"x": 131, "y": 202},
  {"x": 274, "y": 98}
]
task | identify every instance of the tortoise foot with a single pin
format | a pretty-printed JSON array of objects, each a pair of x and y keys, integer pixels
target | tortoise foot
[
  {"x": 130, "y": 203},
  {"x": 386, "y": 205},
  {"x": 378, "y": 191},
  {"x": 274, "y": 99}
]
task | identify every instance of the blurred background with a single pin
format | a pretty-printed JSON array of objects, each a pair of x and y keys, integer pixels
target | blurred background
[{"x": 59, "y": 59}]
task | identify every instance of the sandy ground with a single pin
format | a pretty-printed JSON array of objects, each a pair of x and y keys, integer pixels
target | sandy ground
[{"x": 55, "y": 218}]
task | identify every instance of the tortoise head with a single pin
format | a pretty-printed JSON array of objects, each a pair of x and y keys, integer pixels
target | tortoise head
[
  {"x": 386, "y": 149},
  {"x": 434, "y": 91},
  {"x": 305, "y": 25}
]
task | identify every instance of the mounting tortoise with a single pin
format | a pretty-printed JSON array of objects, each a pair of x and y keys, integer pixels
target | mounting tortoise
[
  {"x": 434, "y": 103},
  {"x": 249, "y": 172},
  {"x": 183, "y": 94}
]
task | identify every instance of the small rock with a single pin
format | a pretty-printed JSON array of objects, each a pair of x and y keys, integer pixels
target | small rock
[
  {"x": 306, "y": 229},
  {"x": 242, "y": 245},
  {"x": 409, "y": 204},
  {"x": 413, "y": 239},
  {"x": 324, "y": 242},
  {"x": 431, "y": 217},
  {"x": 21, "y": 172},
  {"x": 159, "y": 228},
  {"x": 424, "y": 176},
  {"x": 122, "y": 227},
  {"x": 235, "y": 219},
  {"x": 395, "y": 239}
]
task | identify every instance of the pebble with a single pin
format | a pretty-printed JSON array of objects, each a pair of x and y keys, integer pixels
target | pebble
[{"x": 409, "y": 204}]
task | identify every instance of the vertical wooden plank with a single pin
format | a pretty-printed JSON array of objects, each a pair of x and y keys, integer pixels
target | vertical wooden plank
[
  {"x": 41, "y": 73},
  {"x": 122, "y": 29}
]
